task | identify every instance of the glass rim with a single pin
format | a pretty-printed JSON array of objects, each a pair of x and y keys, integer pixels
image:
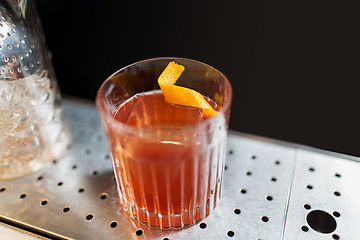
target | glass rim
[{"x": 223, "y": 109}]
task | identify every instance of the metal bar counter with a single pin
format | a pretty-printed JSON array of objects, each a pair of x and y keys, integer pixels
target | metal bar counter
[{"x": 271, "y": 190}]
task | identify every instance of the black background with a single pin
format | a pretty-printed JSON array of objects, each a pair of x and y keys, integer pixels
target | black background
[{"x": 293, "y": 65}]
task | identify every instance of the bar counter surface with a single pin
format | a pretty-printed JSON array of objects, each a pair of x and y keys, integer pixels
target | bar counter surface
[{"x": 271, "y": 190}]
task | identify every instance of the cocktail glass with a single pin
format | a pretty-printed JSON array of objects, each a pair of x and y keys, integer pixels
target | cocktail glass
[{"x": 168, "y": 161}]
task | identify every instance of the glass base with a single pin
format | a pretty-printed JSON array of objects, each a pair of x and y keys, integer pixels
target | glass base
[{"x": 170, "y": 220}]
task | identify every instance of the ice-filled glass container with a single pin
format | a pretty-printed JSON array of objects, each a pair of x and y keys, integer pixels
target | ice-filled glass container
[{"x": 33, "y": 129}]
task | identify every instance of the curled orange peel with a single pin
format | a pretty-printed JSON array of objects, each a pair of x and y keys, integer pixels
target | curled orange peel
[{"x": 180, "y": 95}]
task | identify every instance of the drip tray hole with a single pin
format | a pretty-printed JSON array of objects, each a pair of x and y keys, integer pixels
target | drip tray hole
[{"x": 321, "y": 221}]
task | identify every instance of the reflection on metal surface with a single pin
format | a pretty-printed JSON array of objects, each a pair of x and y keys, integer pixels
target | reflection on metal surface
[{"x": 269, "y": 189}]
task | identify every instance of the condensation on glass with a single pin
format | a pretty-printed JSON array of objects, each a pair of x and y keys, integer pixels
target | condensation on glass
[{"x": 33, "y": 130}]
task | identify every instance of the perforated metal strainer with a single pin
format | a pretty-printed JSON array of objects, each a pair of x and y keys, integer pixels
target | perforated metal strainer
[{"x": 21, "y": 53}]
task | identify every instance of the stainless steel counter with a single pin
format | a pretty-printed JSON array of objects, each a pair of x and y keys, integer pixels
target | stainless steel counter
[{"x": 271, "y": 191}]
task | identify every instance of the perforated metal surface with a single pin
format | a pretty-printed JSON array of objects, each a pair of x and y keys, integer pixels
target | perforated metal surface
[
  {"x": 264, "y": 192},
  {"x": 325, "y": 183}
]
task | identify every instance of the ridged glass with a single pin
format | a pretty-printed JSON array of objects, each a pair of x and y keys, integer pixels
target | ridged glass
[{"x": 166, "y": 177}]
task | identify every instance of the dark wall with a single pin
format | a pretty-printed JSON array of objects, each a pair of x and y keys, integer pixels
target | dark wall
[{"x": 294, "y": 65}]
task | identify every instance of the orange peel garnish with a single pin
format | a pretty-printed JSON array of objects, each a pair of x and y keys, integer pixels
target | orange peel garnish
[{"x": 180, "y": 95}]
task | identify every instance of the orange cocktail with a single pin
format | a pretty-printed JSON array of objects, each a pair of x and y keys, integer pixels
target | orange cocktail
[{"x": 168, "y": 160}]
